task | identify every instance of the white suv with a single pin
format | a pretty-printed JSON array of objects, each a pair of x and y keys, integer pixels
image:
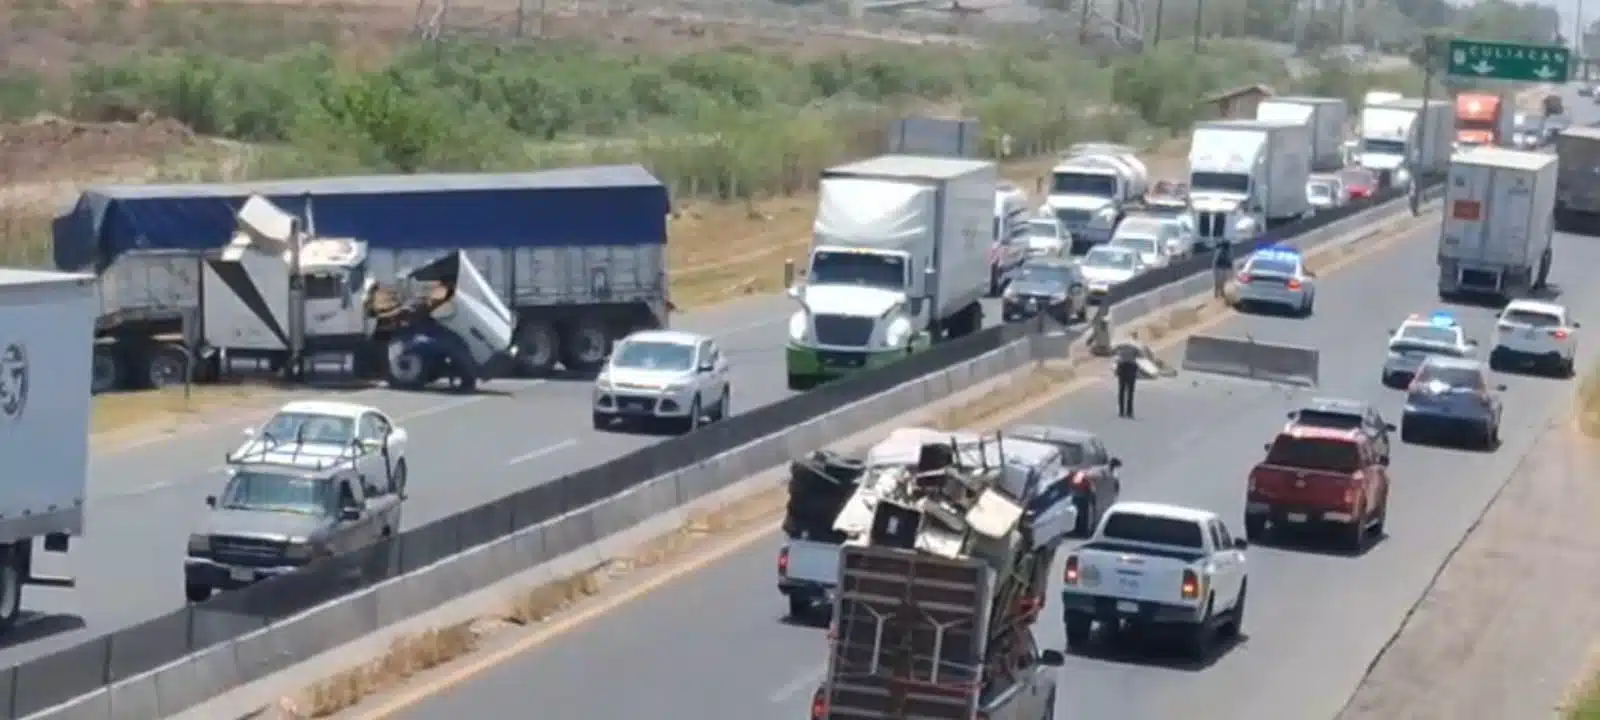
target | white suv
[
  {"x": 662, "y": 376},
  {"x": 1535, "y": 334}
]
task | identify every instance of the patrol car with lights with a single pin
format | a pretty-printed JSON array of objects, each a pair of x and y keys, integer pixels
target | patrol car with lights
[
  {"x": 1277, "y": 276},
  {"x": 1450, "y": 399},
  {"x": 1530, "y": 333},
  {"x": 1421, "y": 337}
]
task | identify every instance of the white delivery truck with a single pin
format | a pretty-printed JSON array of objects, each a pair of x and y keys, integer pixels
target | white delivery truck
[
  {"x": 899, "y": 261},
  {"x": 1245, "y": 175},
  {"x": 1325, "y": 119},
  {"x": 46, "y": 332},
  {"x": 1577, "y": 192},
  {"x": 1093, "y": 187},
  {"x": 1395, "y": 144},
  {"x": 1498, "y": 223}
]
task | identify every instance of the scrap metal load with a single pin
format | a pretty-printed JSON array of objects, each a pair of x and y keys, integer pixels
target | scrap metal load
[{"x": 950, "y": 539}]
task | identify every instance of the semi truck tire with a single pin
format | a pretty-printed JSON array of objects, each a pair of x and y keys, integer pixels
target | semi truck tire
[
  {"x": 586, "y": 345},
  {"x": 538, "y": 348},
  {"x": 104, "y": 373},
  {"x": 408, "y": 365},
  {"x": 165, "y": 365},
  {"x": 13, "y": 572}
]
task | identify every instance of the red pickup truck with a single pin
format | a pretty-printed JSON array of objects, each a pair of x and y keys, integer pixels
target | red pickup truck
[{"x": 1319, "y": 476}]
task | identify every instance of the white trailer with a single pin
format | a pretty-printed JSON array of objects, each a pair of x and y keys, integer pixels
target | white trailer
[
  {"x": 578, "y": 254},
  {"x": 1577, "y": 192},
  {"x": 1409, "y": 134},
  {"x": 46, "y": 321},
  {"x": 1498, "y": 223},
  {"x": 899, "y": 261},
  {"x": 1324, "y": 118},
  {"x": 1247, "y": 174}
]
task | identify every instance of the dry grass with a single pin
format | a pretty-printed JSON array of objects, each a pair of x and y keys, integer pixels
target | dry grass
[
  {"x": 115, "y": 412},
  {"x": 1589, "y": 403}
]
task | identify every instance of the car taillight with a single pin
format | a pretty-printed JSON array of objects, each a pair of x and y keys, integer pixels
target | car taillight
[
  {"x": 1070, "y": 577},
  {"x": 819, "y": 705},
  {"x": 783, "y": 562},
  {"x": 1244, "y": 278},
  {"x": 1559, "y": 333},
  {"x": 1191, "y": 585},
  {"x": 1079, "y": 479},
  {"x": 1294, "y": 284}
]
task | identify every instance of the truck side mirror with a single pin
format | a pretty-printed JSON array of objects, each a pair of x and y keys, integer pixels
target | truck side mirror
[
  {"x": 1240, "y": 543},
  {"x": 1116, "y": 463},
  {"x": 788, "y": 273},
  {"x": 1052, "y": 658},
  {"x": 211, "y": 501},
  {"x": 350, "y": 513},
  {"x": 930, "y": 279}
]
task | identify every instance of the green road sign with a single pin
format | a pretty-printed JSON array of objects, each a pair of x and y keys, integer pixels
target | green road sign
[{"x": 1505, "y": 61}]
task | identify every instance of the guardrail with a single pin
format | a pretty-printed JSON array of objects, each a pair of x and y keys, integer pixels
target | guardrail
[{"x": 171, "y": 663}]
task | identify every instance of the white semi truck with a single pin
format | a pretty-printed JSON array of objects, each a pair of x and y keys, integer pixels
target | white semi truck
[
  {"x": 1093, "y": 187},
  {"x": 899, "y": 261},
  {"x": 46, "y": 320},
  {"x": 1246, "y": 175},
  {"x": 1324, "y": 119},
  {"x": 578, "y": 254},
  {"x": 1402, "y": 139},
  {"x": 1577, "y": 192},
  {"x": 1498, "y": 225}
]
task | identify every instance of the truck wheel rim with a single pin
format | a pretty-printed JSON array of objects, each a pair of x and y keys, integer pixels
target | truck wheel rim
[
  {"x": 165, "y": 370},
  {"x": 537, "y": 346},
  {"x": 591, "y": 344},
  {"x": 407, "y": 367}
]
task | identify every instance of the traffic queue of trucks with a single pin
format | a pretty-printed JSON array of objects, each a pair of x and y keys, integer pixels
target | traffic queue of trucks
[{"x": 569, "y": 259}]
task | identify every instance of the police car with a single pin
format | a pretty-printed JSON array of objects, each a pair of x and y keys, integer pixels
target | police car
[
  {"x": 1419, "y": 338},
  {"x": 1536, "y": 334},
  {"x": 1451, "y": 399},
  {"x": 1276, "y": 276}
]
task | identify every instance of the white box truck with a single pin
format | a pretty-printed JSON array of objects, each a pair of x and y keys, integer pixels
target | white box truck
[
  {"x": 1325, "y": 119},
  {"x": 1247, "y": 174},
  {"x": 1577, "y": 192},
  {"x": 1498, "y": 223},
  {"x": 46, "y": 335},
  {"x": 899, "y": 261},
  {"x": 1395, "y": 144}
]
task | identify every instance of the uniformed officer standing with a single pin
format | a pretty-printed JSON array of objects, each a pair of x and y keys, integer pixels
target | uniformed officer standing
[
  {"x": 1221, "y": 268},
  {"x": 1126, "y": 356}
]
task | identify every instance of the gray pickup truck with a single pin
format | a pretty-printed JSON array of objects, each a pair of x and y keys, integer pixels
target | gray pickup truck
[{"x": 273, "y": 518}]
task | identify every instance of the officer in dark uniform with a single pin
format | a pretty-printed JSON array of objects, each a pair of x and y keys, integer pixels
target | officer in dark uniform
[
  {"x": 1221, "y": 268},
  {"x": 1126, "y": 356}
]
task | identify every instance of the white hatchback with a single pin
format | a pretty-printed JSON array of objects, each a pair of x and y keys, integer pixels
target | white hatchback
[{"x": 1541, "y": 335}]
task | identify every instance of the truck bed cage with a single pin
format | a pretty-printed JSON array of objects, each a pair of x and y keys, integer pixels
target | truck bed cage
[{"x": 266, "y": 444}]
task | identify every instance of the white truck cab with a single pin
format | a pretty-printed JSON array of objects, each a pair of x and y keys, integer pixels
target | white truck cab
[
  {"x": 1092, "y": 187},
  {"x": 1157, "y": 566}
]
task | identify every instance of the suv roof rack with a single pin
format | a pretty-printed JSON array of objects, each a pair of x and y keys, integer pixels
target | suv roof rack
[{"x": 264, "y": 444}]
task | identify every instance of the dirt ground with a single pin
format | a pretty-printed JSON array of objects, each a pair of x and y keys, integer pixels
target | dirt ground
[{"x": 1509, "y": 623}]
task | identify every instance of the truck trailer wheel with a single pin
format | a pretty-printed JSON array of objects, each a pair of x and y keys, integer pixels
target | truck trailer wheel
[
  {"x": 104, "y": 375},
  {"x": 408, "y": 366},
  {"x": 13, "y": 571},
  {"x": 538, "y": 348},
  {"x": 165, "y": 366},
  {"x": 585, "y": 346}
]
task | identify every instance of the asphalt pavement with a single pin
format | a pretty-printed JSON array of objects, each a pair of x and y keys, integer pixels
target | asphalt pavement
[
  {"x": 463, "y": 451},
  {"x": 713, "y": 645}
]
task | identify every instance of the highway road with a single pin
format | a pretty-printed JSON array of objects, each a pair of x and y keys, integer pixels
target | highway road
[
  {"x": 464, "y": 451},
  {"x": 712, "y": 646}
]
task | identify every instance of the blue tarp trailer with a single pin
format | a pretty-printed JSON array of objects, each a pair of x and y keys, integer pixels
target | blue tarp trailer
[
  {"x": 574, "y": 207},
  {"x": 579, "y": 254}
]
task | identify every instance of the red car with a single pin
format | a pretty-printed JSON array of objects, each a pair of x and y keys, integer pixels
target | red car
[
  {"x": 1361, "y": 181},
  {"x": 1319, "y": 476}
]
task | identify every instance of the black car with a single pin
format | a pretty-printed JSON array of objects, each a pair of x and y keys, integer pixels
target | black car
[
  {"x": 1095, "y": 484},
  {"x": 1342, "y": 414},
  {"x": 1046, "y": 285}
]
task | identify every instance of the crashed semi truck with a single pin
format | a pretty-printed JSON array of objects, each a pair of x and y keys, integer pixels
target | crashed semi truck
[
  {"x": 951, "y": 539},
  {"x": 577, "y": 257}
]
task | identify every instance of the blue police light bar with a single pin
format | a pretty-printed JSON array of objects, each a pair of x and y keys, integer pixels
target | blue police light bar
[{"x": 1442, "y": 320}]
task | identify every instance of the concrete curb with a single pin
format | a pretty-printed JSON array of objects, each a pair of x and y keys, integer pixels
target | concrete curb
[{"x": 586, "y": 537}]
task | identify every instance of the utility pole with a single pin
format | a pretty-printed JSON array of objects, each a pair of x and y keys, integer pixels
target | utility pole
[
  {"x": 1199, "y": 18},
  {"x": 1428, "y": 52}
]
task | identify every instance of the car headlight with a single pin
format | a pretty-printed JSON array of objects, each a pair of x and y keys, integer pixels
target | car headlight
[
  {"x": 797, "y": 327},
  {"x": 199, "y": 544},
  {"x": 898, "y": 332}
]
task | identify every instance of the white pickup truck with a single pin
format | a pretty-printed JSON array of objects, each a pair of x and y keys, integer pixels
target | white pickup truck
[{"x": 1157, "y": 566}]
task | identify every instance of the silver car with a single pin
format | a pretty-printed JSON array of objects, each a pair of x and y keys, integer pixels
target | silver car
[
  {"x": 1418, "y": 339},
  {"x": 1277, "y": 276},
  {"x": 662, "y": 376}
]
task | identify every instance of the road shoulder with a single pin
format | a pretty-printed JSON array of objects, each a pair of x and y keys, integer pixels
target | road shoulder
[{"x": 1509, "y": 620}]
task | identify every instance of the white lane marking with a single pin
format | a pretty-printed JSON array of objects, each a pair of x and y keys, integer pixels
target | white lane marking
[
  {"x": 541, "y": 452},
  {"x": 805, "y": 682}
]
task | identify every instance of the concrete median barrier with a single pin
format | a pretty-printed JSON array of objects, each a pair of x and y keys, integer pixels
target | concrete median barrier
[
  {"x": 585, "y": 537},
  {"x": 1251, "y": 359}
]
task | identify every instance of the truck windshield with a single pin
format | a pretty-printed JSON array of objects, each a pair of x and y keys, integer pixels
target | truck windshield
[
  {"x": 1324, "y": 454},
  {"x": 853, "y": 268},
  {"x": 1383, "y": 147},
  {"x": 273, "y": 492},
  {"x": 1071, "y": 183},
  {"x": 1154, "y": 530},
  {"x": 1219, "y": 182}
]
